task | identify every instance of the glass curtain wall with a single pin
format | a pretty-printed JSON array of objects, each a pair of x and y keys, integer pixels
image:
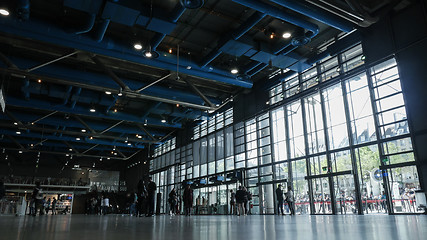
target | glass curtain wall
[{"x": 344, "y": 147}]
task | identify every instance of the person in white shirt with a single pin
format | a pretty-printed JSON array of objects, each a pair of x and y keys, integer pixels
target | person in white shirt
[
  {"x": 290, "y": 200},
  {"x": 105, "y": 204}
]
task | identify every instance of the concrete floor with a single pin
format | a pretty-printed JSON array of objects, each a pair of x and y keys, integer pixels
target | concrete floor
[{"x": 81, "y": 227}]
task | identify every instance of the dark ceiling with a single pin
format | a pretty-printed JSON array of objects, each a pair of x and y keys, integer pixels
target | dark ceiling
[{"x": 60, "y": 58}]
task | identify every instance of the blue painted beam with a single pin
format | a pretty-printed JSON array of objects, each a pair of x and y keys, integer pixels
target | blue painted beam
[
  {"x": 52, "y": 34},
  {"x": 67, "y": 139},
  {"x": 65, "y": 149},
  {"x": 101, "y": 80},
  {"x": 102, "y": 99},
  {"x": 72, "y": 123},
  {"x": 46, "y": 105}
]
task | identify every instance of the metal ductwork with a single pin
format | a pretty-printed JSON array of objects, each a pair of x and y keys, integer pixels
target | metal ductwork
[{"x": 315, "y": 13}]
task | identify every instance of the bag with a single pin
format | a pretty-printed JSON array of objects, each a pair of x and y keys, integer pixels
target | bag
[{"x": 249, "y": 196}]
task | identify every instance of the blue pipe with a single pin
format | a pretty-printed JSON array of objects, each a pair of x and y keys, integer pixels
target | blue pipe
[
  {"x": 175, "y": 15},
  {"x": 316, "y": 13},
  {"x": 235, "y": 34},
  {"x": 74, "y": 102},
  {"x": 102, "y": 29},
  {"x": 67, "y": 95},
  {"x": 258, "y": 69},
  {"x": 25, "y": 87},
  {"x": 251, "y": 66},
  {"x": 89, "y": 25},
  {"x": 277, "y": 13}
]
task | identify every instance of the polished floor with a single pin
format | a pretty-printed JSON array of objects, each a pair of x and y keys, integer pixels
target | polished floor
[{"x": 80, "y": 227}]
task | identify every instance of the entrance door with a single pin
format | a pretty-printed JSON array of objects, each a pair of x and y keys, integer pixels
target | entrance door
[
  {"x": 321, "y": 195},
  {"x": 267, "y": 199},
  {"x": 345, "y": 194}
]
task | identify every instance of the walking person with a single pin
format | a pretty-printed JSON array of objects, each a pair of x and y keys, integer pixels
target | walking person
[
  {"x": 38, "y": 199},
  {"x": 172, "y": 201},
  {"x": 279, "y": 196},
  {"x": 48, "y": 202},
  {"x": 240, "y": 195},
  {"x": 232, "y": 202},
  {"x": 142, "y": 198},
  {"x": 151, "y": 192},
  {"x": 246, "y": 197},
  {"x": 290, "y": 200},
  {"x": 54, "y": 206},
  {"x": 188, "y": 200},
  {"x": 105, "y": 204}
]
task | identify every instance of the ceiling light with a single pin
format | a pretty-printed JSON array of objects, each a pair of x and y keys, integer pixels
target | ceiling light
[
  {"x": 83, "y": 130},
  {"x": 78, "y": 139},
  {"x": 115, "y": 153},
  {"x": 91, "y": 138},
  {"x": 177, "y": 105},
  {"x": 4, "y": 12},
  {"x": 15, "y": 123},
  {"x": 20, "y": 151},
  {"x": 39, "y": 80},
  {"x": 18, "y": 132},
  {"x": 137, "y": 46},
  {"x": 286, "y": 35},
  {"x": 139, "y": 136},
  {"x": 108, "y": 158},
  {"x": 92, "y": 109},
  {"x": 67, "y": 155},
  {"x": 148, "y": 54},
  {"x": 129, "y": 144},
  {"x": 115, "y": 110},
  {"x": 188, "y": 67},
  {"x": 163, "y": 120},
  {"x": 272, "y": 35},
  {"x": 234, "y": 71},
  {"x": 70, "y": 149},
  {"x": 170, "y": 50},
  {"x": 145, "y": 122},
  {"x": 120, "y": 93},
  {"x": 108, "y": 92}
]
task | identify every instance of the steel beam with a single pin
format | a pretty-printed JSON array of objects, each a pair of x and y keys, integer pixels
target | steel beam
[
  {"x": 48, "y": 115},
  {"x": 195, "y": 89},
  {"x": 111, "y": 73},
  {"x": 51, "y": 61},
  {"x": 153, "y": 83},
  {"x": 113, "y": 126}
]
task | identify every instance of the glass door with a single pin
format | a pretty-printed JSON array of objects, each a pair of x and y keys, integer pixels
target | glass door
[
  {"x": 345, "y": 194},
  {"x": 321, "y": 195}
]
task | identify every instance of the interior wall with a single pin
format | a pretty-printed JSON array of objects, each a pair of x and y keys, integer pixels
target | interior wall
[
  {"x": 404, "y": 35},
  {"x": 133, "y": 174}
]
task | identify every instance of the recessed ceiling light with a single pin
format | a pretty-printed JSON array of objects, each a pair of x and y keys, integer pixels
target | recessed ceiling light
[
  {"x": 137, "y": 46},
  {"x": 148, "y": 54},
  {"x": 15, "y": 123},
  {"x": 70, "y": 149},
  {"x": 83, "y": 130},
  {"x": 108, "y": 92},
  {"x": 234, "y": 71},
  {"x": 18, "y": 132},
  {"x": 92, "y": 109},
  {"x": 286, "y": 35},
  {"x": 78, "y": 139},
  {"x": 163, "y": 120},
  {"x": 4, "y": 12},
  {"x": 20, "y": 151}
]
